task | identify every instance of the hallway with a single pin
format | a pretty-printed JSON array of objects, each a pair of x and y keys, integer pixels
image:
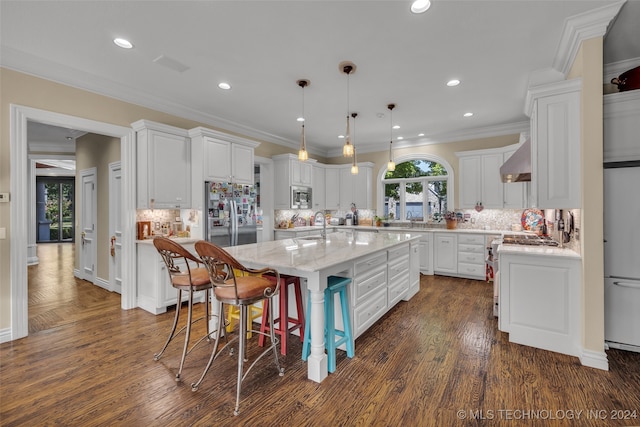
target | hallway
[{"x": 58, "y": 298}]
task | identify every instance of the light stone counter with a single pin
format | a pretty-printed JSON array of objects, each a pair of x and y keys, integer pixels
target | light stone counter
[
  {"x": 181, "y": 240},
  {"x": 549, "y": 251},
  {"x": 315, "y": 260}
]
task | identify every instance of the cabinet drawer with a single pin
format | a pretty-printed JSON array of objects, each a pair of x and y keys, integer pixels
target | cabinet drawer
[
  {"x": 471, "y": 269},
  {"x": 369, "y": 311},
  {"x": 398, "y": 290},
  {"x": 367, "y": 284},
  {"x": 399, "y": 267},
  {"x": 471, "y": 248},
  {"x": 398, "y": 252},
  {"x": 471, "y": 238},
  {"x": 368, "y": 263},
  {"x": 471, "y": 258}
]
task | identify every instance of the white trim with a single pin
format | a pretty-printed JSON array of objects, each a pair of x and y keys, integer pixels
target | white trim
[
  {"x": 417, "y": 156},
  {"x": 103, "y": 283},
  {"x": 579, "y": 28},
  {"x": 5, "y": 335},
  {"x": 113, "y": 213},
  {"x": 594, "y": 359},
  {"x": 19, "y": 115}
]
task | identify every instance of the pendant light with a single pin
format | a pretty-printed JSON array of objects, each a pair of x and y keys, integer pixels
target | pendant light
[
  {"x": 348, "y": 68},
  {"x": 354, "y": 165},
  {"x": 302, "y": 153},
  {"x": 391, "y": 166}
]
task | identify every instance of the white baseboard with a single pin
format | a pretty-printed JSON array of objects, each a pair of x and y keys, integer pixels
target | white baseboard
[
  {"x": 76, "y": 273},
  {"x": 5, "y": 335},
  {"x": 594, "y": 359},
  {"x": 102, "y": 283}
]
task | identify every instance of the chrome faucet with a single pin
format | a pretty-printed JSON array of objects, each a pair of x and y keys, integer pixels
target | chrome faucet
[{"x": 324, "y": 224}]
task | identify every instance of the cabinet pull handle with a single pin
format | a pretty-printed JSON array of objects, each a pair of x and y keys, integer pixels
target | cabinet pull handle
[{"x": 627, "y": 285}]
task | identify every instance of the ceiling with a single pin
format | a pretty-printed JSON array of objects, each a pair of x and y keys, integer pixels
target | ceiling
[{"x": 263, "y": 47}]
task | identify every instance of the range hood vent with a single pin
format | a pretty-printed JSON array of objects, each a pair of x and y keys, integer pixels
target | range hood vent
[{"x": 517, "y": 168}]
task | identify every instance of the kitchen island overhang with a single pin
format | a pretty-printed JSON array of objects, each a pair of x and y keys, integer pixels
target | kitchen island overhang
[{"x": 384, "y": 268}]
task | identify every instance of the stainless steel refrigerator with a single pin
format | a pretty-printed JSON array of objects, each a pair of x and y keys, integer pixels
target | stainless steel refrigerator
[
  {"x": 231, "y": 212},
  {"x": 621, "y": 255}
]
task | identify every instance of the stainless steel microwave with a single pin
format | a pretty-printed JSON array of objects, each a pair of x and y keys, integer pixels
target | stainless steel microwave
[{"x": 300, "y": 197}]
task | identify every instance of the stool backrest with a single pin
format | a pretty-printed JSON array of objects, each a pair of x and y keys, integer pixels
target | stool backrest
[{"x": 170, "y": 251}]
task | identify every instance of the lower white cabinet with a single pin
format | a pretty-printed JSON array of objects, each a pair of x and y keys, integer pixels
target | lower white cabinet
[
  {"x": 398, "y": 269},
  {"x": 471, "y": 249},
  {"x": 414, "y": 270},
  {"x": 426, "y": 253},
  {"x": 445, "y": 257},
  {"x": 539, "y": 301},
  {"x": 155, "y": 292}
]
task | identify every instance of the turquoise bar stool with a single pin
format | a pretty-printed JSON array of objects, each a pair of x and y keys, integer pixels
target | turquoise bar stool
[{"x": 333, "y": 337}]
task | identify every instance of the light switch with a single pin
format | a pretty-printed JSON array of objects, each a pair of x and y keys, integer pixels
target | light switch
[
  {"x": 3, "y": 233},
  {"x": 4, "y": 197}
]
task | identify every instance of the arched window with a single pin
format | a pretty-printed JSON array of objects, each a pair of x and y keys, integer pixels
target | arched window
[{"x": 420, "y": 188}]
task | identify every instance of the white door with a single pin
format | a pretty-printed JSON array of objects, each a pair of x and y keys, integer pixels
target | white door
[
  {"x": 115, "y": 227},
  {"x": 88, "y": 219}
]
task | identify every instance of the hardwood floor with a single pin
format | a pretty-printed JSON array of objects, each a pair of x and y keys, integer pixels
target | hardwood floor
[{"x": 437, "y": 360}]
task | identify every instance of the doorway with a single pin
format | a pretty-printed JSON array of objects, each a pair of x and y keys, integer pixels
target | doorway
[
  {"x": 19, "y": 179},
  {"x": 55, "y": 209}
]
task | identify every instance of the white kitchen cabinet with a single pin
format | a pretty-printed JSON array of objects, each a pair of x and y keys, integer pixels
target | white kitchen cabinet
[
  {"x": 414, "y": 270},
  {"x": 471, "y": 256},
  {"x": 356, "y": 189},
  {"x": 554, "y": 110},
  {"x": 332, "y": 187},
  {"x": 426, "y": 253},
  {"x": 445, "y": 257},
  {"x": 289, "y": 171},
  {"x": 539, "y": 301},
  {"x": 481, "y": 183},
  {"x": 154, "y": 289},
  {"x": 621, "y": 126},
  {"x": 319, "y": 193},
  {"x": 163, "y": 166},
  {"x": 398, "y": 269}
]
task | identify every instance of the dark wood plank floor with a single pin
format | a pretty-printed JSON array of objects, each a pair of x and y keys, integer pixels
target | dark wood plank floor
[{"x": 437, "y": 360}]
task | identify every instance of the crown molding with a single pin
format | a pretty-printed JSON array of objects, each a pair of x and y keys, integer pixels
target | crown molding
[
  {"x": 59, "y": 73},
  {"x": 582, "y": 27}
]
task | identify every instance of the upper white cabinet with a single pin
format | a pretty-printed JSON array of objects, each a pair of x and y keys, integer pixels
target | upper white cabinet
[
  {"x": 356, "y": 189},
  {"x": 221, "y": 157},
  {"x": 481, "y": 184},
  {"x": 554, "y": 110},
  {"x": 319, "y": 194},
  {"x": 163, "y": 166},
  {"x": 290, "y": 171},
  {"x": 332, "y": 187},
  {"x": 621, "y": 126}
]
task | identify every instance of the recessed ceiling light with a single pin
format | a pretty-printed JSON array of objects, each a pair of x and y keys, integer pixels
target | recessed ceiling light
[
  {"x": 225, "y": 86},
  {"x": 454, "y": 82},
  {"x": 340, "y": 136},
  {"x": 421, "y": 134},
  {"x": 420, "y": 6},
  {"x": 396, "y": 127},
  {"x": 300, "y": 119},
  {"x": 123, "y": 43},
  {"x": 468, "y": 114},
  {"x": 401, "y": 137}
]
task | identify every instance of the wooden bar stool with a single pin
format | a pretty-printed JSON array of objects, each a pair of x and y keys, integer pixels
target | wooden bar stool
[
  {"x": 237, "y": 290},
  {"x": 336, "y": 285},
  {"x": 282, "y": 322},
  {"x": 184, "y": 277}
]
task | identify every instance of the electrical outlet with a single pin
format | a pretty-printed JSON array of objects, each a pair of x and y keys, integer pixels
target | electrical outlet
[
  {"x": 4, "y": 197},
  {"x": 576, "y": 234}
]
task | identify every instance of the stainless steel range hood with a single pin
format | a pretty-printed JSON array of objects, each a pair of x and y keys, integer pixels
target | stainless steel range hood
[{"x": 517, "y": 168}]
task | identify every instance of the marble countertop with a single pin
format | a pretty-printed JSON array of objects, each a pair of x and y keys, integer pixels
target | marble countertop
[
  {"x": 552, "y": 251},
  {"x": 419, "y": 229},
  {"x": 181, "y": 240},
  {"x": 308, "y": 254}
]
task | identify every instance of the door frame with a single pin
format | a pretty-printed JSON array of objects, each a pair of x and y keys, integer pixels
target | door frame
[
  {"x": 82, "y": 202},
  {"x": 115, "y": 169},
  {"x": 19, "y": 115}
]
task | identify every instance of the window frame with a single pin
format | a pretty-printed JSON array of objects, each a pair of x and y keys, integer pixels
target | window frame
[{"x": 380, "y": 182}]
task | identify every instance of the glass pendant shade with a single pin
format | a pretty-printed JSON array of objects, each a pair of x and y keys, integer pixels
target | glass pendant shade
[
  {"x": 347, "y": 150},
  {"x": 302, "y": 153},
  {"x": 391, "y": 165},
  {"x": 354, "y": 165}
]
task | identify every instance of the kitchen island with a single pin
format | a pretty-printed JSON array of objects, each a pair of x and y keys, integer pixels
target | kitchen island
[{"x": 384, "y": 268}]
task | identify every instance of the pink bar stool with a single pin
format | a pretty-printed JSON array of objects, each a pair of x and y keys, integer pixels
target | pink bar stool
[{"x": 283, "y": 321}]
